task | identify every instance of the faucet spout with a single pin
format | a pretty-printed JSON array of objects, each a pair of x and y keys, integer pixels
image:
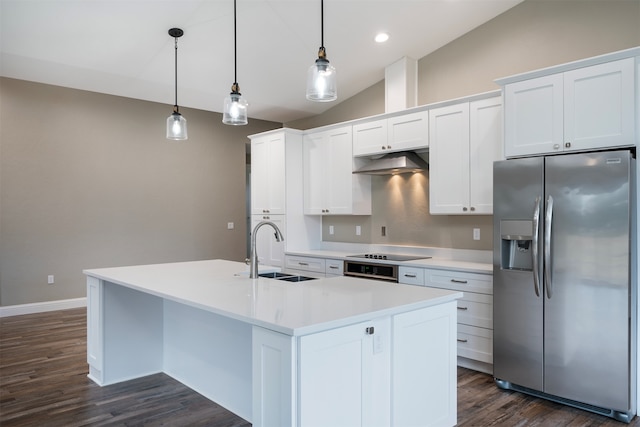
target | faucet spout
[{"x": 253, "y": 271}]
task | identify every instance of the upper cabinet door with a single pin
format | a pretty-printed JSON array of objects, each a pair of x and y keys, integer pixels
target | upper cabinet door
[
  {"x": 370, "y": 137},
  {"x": 449, "y": 159},
  {"x": 585, "y": 108},
  {"x": 533, "y": 116},
  {"x": 485, "y": 147},
  {"x": 339, "y": 166},
  {"x": 599, "y": 106},
  {"x": 408, "y": 132},
  {"x": 313, "y": 163},
  {"x": 330, "y": 187},
  {"x": 398, "y": 133},
  {"x": 268, "y": 174}
]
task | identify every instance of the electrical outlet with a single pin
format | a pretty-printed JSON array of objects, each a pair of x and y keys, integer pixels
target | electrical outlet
[
  {"x": 358, "y": 230},
  {"x": 331, "y": 229},
  {"x": 476, "y": 234},
  {"x": 383, "y": 231},
  {"x": 50, "y": 279},
  {"x": 230, "y": 226}
]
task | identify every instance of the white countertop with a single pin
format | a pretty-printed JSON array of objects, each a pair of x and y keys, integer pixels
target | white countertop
[
  {"x": 436, "y": 262},
  {"x": 292, "y": 308}
]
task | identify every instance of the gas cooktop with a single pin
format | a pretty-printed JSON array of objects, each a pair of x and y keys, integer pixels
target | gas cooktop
[{"x": 390, "y": 257}]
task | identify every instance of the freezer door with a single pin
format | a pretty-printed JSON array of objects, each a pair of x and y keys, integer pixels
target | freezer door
[
  {"x": 587, "y": 304},
  {"x": 517, "y": 297}
]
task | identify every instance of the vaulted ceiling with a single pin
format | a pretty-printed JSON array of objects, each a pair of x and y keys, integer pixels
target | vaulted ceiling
[{"x": 121, "y": 47}]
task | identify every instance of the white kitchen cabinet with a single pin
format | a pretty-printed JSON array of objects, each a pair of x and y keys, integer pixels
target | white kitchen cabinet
[
  {"x": 415, "y": 398},
  {"x": 339, "y": 364},
  {"x": 270, "y": 251},
  {"x": 474, "y": 310},
  {"x": 305, "y": 264},
  {"x": 274, "y": 375},
  {"x": 465, "y": 139},
  {"x": 590, "y": 107},
  {"x": 268, "y": 174},
  {"x": 334, "y": 267},
  {"x": 370, "y": 137},
  {"x": 315, "y": 267},
  {"x": 388, "y": 135},
  {"x": 330, "y": 188},
  {"x": 94, "y": 329}
]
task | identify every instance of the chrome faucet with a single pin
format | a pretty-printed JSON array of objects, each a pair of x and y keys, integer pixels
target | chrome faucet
[{"x": 253, "y": 272}]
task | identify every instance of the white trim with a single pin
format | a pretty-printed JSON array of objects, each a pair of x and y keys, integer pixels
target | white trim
[{"x": 41, "y": 307}]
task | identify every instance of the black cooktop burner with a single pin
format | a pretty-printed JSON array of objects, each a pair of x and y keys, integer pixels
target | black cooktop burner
[{"x": 390, "y": 257}]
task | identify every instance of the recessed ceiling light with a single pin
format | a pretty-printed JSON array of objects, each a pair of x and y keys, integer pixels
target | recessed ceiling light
[{"x": 381, "y": 37}]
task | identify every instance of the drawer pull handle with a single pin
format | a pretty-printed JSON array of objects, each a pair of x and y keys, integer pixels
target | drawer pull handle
[
  {"x": 463, "y": 308},
  {"x": 461, "y": 340},
  {"x": 413, "y": 276},
  {"x": 458, "y": 281},
  {"x": 335, "y": 267},
  {"x": 303, "y": 263}
]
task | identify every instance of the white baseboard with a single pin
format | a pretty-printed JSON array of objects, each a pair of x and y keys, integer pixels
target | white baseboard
[{"x": 41, "y": 307}]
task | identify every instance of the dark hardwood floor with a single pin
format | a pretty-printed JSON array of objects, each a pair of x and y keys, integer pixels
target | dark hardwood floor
[{"x": 43, "y": 382}]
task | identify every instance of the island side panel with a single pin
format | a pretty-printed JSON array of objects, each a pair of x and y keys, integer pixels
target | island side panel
[
  {"x": 124, "y": 333},
  {"x": 211, "y": 354},
  {"x": 424, "y": 377},
  {"x": 274, "y": 378}
]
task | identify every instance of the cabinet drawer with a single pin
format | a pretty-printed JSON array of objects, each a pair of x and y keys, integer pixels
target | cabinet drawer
[
  {"x": 476, "y": 310},
  {"x": 475, "y": 343},
  {"x": 305, "y": 263},
  {"x": 334, "y": 267},
  {"x": 411, "y": 276},
  {"x": 457, "y": 281}
]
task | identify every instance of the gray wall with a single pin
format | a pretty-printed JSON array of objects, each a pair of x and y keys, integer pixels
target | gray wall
[
  {"x": 532, "y": 35},
  {"x": 89, "y": 180}
]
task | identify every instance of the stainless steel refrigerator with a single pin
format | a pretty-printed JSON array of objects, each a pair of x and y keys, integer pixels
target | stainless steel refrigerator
[{"x": 565, "y": 279}]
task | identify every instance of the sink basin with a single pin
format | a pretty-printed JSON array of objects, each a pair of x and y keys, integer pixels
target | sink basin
[
  {"x": 284, "y": 276},
  {"x": 274, "y": 275},
  {"x": 296, "y": 278}
]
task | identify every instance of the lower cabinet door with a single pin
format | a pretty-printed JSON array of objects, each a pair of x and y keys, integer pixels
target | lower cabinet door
[{"x": 344, "y": 376}]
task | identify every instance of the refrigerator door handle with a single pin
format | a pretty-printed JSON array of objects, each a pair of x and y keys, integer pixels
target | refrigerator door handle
[
  {"x": 547, "y": 246},
  {"x": 535, "y": 246}
]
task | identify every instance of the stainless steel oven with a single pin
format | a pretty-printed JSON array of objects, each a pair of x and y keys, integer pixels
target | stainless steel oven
[{"x": 366, "y": 266}]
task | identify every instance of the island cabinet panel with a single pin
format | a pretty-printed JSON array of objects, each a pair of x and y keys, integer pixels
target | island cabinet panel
[
  {"x": 274, "y": 378},
  {"x": 94, "y": 328},
  {"x": 344, "y": 376},
  {"x": 131, "y": 322},
  {"x": 424, "y": 367},
  {"x": 589, "y": 107}
]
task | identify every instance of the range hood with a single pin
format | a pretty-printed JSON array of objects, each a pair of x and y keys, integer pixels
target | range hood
[{"x": 394, "y": 163}]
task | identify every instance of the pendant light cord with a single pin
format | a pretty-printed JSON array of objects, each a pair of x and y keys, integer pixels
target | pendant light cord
[
  {"x": 235, "y": 46},
  {"x": 321, "y": 23},
  {"x": 176, "y": 72}
]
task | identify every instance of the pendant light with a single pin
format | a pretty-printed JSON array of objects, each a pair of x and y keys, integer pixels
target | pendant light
[
  {"x": 176, "y": 124},
  {"x": 235, "y": 107},
  {"x": 321, "y": 77}
]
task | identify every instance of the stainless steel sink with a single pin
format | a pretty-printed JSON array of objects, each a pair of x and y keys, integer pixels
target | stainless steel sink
[
  {"x": 297, "y": 278},
  {"x": 274, "y": 275},
  {"x": 286, "y": 277}
]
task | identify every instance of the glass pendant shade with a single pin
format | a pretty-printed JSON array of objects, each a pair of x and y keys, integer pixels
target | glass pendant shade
[
  {"x": 176, "y": 127},
  {"x": 321, "y": 82},
  {"x": 235, "y": 110},
  {"x": 176, "y": 124}
]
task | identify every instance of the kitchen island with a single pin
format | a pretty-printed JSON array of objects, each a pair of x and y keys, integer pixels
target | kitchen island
[{"x": 335, "y": 351}]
